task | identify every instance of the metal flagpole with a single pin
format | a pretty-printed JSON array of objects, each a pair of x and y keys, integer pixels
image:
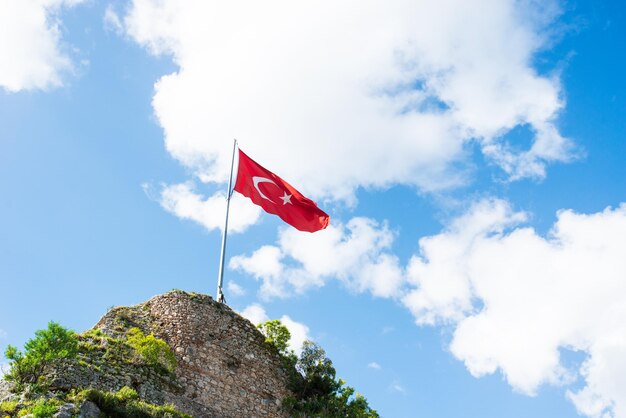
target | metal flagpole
[{"x": 220, "y": 276}]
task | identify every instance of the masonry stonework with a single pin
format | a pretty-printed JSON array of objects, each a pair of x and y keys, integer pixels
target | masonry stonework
[{"x": 225, "y": 369}]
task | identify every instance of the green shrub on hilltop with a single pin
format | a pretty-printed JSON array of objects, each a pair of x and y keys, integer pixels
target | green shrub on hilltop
[
  {"x": 56, "y": 343},
  {"x": 277, "y": 337},
  {"x": 50, "y": 344},
  {"x": 276, "y": 334},
  {"x": 126, "y": 403},
  {"x": 154, "y": 351},
  {"x": 39, "y": 408}
]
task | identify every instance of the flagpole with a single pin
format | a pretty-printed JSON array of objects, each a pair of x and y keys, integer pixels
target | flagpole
[{"x": 220, "y": 275}]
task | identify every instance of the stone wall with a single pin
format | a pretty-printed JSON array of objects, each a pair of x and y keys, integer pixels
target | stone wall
[{"x": 224, "y": 367}]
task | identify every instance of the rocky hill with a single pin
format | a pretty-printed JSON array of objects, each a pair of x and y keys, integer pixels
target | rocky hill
[{"x": 215, "y": 364}]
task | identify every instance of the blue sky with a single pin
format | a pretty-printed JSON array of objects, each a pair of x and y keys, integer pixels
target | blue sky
[{"x": 470, "y": 154}]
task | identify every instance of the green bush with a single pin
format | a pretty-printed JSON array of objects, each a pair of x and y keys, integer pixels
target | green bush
[
  {"x": 125, "y": 403},
  {"x": 126, "y": 394},
  {"x": 48, "y": 345},
  {"x": 44, "y": 409},
  {"x": 152, "y": 350},
  {"x": 276, "y": 334},
  {"x": 8, "y": 407}
]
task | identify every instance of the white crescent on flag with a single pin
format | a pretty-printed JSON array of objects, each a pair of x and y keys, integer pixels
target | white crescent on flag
[{"x": 256, "y": 180}]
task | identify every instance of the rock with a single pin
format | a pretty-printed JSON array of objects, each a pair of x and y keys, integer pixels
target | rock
[
  {"x": 5, "y": 390},
  {"x": 65, "y": 411},
  {"x": 89, "y": 410}
]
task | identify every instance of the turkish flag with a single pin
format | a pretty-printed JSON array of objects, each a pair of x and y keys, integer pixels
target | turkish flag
[{"x": 277, "y": 196}]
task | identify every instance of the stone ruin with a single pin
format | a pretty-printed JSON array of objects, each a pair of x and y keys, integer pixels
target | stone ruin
[{"x": 225, "y": 368}]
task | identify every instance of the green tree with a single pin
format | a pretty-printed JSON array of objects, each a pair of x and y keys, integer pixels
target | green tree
[
  {"x": 48, "y": 345},
  {"x": 276, "y": 334},
  {"x": 318, "y": 372},
  {"x": 312, "y": 379}
]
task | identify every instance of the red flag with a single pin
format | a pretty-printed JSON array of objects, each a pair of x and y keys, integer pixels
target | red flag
[{"x": 277, "y": 196}]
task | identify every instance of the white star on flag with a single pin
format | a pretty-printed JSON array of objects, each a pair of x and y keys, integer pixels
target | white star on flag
[{"x": 286, "y": 199}]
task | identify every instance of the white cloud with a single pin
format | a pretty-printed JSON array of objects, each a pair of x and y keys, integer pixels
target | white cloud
[
  {"x": 517, "y": 298},
  {"x": 265, "y": 264},
  {"x": 235, "y": 289},
  {"x": 112, "y": 20},
  {"x": 444, "y": 292},
  {"x": 182, "y": 201},
  {"x": 397, "y": 387},
  {"x": 605, "y": 375},
  {"x": 256, "y": 314},
  {"x": 355, "y": 253},
  {"x": 31, "y": 52},
  {"x": 374, "y": 365},
  {"x": 299, "y": 333},
  {"x": 305, "y": 86}
]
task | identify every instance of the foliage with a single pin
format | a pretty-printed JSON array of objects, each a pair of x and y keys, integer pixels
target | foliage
[
  {"x": 8, "y": 407},
  {"x": 48, "y": 345},
  {"x": 318, "y": 393},
  {"x": 126, "y": 394},
  {"x": 100, "y": 349},
  {"x": 276, "y": 334},
  {"x": 312, "y": 378},
  {"x": 318, "y": 372},
  {"x": 125, "y": 403},
  {"x": 152, "y": 350},
  {"x": 30, "y": 368},
  {"x": 44, "y": 409},
  {"x": 41, "y": 408}
]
